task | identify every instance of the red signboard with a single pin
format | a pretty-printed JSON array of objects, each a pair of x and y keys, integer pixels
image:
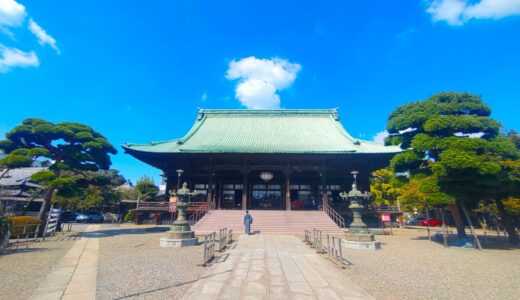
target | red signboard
[
  {"x": 172, "y": 207},
  {"x": 385, "y": 217}
]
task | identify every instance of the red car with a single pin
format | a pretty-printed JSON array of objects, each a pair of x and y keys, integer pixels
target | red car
[{"x": 431, "y": 222}]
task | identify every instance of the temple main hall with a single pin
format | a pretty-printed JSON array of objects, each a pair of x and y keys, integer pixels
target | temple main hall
[{"x": 286, "y": 159}]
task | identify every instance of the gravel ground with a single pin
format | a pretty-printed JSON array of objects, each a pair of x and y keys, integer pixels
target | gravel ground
[
  {"x": 133, "y": 266},
  {"x": 23, "y": 266},
  {"x": 409, "y": 266}
]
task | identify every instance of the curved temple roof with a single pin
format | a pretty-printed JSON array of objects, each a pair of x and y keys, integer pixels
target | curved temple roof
[{"x": 265, "y": 131}]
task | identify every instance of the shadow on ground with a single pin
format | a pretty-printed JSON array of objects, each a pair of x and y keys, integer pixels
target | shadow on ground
[
  {"x": 20, "y": 249},
  {"x": 170, "y": 286},
  {"x": 125, "y": 231},
  {"x": 487, "y": 242}
]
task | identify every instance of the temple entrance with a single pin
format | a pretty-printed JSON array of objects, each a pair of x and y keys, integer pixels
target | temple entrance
[
  {"x": 302, "y": 197},
  {"x": 266, "y": 196},
  {"x": 231, "y": 196}
]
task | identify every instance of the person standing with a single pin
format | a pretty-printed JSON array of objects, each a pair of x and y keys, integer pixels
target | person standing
[{"x": 248, "y": 220}]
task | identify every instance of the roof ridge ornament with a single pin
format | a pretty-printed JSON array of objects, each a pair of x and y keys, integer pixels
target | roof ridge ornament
[
  {"x": 335, "y": 114},
  {"x": 201, "y": 114}
]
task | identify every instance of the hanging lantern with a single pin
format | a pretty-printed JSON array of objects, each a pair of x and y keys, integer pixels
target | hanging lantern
[{"x": 266, "y": 176}]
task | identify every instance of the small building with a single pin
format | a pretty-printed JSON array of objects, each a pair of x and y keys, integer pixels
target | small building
[
  {"x": 17, "y": 192},
  {"x": 287, "y": 159}
]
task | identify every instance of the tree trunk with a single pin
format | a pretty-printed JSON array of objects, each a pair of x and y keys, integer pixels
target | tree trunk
[
  {"x": 455, "y": 212},
  {"x": 514, "y": 239},
  {"x": 46, "y": 203}
]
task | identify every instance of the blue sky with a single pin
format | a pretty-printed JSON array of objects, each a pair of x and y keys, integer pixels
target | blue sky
[{"x": 137, "y": 71}]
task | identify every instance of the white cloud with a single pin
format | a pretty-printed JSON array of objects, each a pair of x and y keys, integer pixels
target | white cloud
[
  {"x": 12, "y": 58},
  {"x": 12, "y": 13},
  {"x": 260, "y": 79},
  {"x": 493, "y": 9},
  {"x": 204, "y": 96},
  {"x": 380, "y": 137},
  {"x": 458, "y": 12},
  {"x": 43, "y": 37}
]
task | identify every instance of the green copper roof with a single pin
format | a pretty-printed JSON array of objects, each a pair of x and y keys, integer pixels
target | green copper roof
[{"x": 265, "y": 131}]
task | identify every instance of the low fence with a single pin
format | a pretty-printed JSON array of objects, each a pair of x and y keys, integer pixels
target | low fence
[
  {"x": 209, "y": 248},
  {"x": 25, "y": 232},
  {"x": 212, "y": 243},
  {"x": 327, "y": 244}
]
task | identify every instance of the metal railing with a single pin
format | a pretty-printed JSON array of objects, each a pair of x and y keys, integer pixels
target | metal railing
[
  {"x": 212, "y": 243},
  {"x": 28, "y": 232},
  {"x": 230, "y": 236},
  {"x": 317, "y": 241},
  {"x": 150, "y": 205},
  {"x": 333, "y": 248},
  {"x": 116, "y": 222},
  {"x": 200, "y": 211},
  {"x": 334, "y": 215},
  {"x": 383, "y": 208},
  {"x": 307, "y": 238},
  {"x": 209, "y": 248},
  {"x": 222, "y": 239}
]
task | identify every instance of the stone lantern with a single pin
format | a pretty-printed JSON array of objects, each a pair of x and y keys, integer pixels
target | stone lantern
[
  {"x": 180, "y": 234},
  {"x": 358, "y": 236}
]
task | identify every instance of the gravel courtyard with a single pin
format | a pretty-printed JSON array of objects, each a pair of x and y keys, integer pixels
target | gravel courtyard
[
  {"x": 131, "y": 265},
  {"x": 411, "y": 267},
  {"x": 23, "y": 266}
]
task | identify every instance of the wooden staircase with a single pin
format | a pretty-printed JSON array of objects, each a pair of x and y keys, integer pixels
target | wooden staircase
[{"x": 268, "y": 222}]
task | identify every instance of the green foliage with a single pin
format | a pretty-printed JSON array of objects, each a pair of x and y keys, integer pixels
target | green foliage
[
  {"x": 515, "y": 138},
  {"x": 16, "y": 161},
  {"x": 385, "y": 187},
  {"x": 146, "y": 187},
  {"x": 443, "y": 114},
  {"x": 445, "y": 163},
  {"x": 76, "y": 153},
  {"x": 132, "y": 194},
  {"x": 72, "y": 146},
  {"x": 512, "y": 206},
  {"x": 408, "y": 160},
  {"x": 43, "y": 176},
  {"x": 92, "y": 189},
  {"x": 130, "y": 215}
]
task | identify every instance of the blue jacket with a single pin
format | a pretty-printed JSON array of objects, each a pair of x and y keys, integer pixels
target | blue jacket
[{"x": 248, "y": 219}]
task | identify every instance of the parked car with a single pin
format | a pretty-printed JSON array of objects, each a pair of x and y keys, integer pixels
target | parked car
[
  {"x": 414, "y": 220},
  {"x": 431, "y": 222},
  {"x": 90, "y": 217},
  {"x": 68, "y": 216}
]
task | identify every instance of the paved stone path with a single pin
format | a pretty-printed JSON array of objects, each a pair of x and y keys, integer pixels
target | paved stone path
[
  {"x": 274, "y": 267},
  {"x": 75, "y": 275}
]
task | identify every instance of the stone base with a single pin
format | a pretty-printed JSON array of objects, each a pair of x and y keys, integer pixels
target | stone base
[
  {"x": 365, "y": 237},
  {"x": 373, "y": 245},
  {"x": 178, "y": 243},
  {"x": 179, "y": 235}
]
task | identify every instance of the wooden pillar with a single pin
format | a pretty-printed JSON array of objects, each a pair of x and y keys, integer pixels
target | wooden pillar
[
  {"x": 210, "y": 186},
  {"x": 219, "y": 196},
  {"x": 287, "y": 190},
  {"x": 244, "y": 189},
  {"x": 325, "y": 196}
]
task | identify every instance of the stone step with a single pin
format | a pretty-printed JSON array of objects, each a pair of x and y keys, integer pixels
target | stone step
[{"x": 268, "y": 222}]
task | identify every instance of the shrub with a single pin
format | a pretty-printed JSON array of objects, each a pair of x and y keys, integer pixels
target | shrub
[
  {"x": 23, "y": 220},
  {"x": 129, "y": 217}
]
